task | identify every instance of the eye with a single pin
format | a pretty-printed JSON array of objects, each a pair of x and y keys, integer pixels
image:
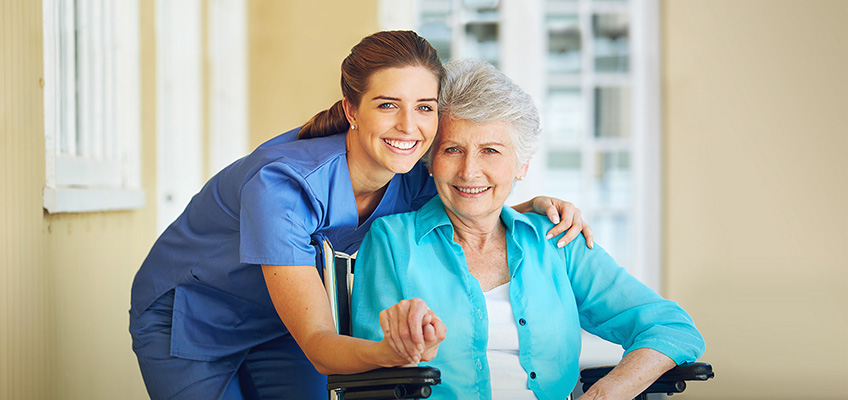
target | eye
[
  {"x": 490, "y": 150},
  {"x": 425, "y": 107},
  {"x": 451, "y": 150},
  {"x": 386, "y": 105}
]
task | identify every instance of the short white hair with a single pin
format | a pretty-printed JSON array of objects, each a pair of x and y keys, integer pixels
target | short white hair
[{"x": 477, "y": 92}]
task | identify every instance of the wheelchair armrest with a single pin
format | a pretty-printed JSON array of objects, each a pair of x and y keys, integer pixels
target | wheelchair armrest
[
  {"x": 387, "y": 383},
  {"x": 670, "y": 382}
]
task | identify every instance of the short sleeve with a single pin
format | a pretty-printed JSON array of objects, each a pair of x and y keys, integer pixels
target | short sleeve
[{"x": 278, "y": 215}]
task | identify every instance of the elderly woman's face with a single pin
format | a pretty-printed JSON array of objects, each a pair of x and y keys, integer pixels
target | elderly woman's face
[{"x": 474, "y": 167}]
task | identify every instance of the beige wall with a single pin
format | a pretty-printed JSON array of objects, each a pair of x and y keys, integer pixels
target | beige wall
[
  {"x": 755, "y": 107},
  {"x": 296, "y": 51},
  {"x": 65, "y": 279}
]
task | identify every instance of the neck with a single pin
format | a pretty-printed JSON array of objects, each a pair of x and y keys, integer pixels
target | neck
[
  {"x": 479, "y": 233},
  {"x": 366, "y": 175},
  {"x": 368, "y": 179}
]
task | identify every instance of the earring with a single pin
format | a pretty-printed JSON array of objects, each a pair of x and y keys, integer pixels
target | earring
[{"x": 352, "y": 126}]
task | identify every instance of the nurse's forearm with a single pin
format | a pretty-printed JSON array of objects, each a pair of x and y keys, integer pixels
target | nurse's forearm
[
  {"x": 301, "y": 302},
  {"x": 636, "y": 371}
]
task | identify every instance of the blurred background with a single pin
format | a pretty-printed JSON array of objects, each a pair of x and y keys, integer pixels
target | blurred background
[{"x": 706, "y": 142}]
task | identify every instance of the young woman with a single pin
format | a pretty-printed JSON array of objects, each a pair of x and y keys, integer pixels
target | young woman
[{"x": 228, "y": 303}]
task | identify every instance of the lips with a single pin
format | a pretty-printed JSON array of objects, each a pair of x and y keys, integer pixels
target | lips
[{"x": 401, "y": 144}]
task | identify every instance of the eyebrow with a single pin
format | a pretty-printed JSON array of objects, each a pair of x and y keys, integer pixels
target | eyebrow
[{"x": 398, "y": 99}]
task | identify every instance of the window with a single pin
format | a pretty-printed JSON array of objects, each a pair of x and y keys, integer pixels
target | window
[
  {"x": 589, "y": 66},
  {"x": 592, "y": 67},
  {"x": 91, "y": 105}
]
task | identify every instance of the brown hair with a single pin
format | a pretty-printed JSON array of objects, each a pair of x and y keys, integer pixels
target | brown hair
[{"x": 386, "y": 49}]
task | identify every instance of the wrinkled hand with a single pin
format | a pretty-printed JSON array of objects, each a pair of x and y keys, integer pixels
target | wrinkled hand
[
  {"x": 571, "y": 223},
  {"x": 412, "y": 330}
]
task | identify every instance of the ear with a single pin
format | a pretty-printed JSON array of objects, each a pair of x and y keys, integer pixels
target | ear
[
  {"x": 522, "y": 172},
  {"x": 349, "y": 110}
]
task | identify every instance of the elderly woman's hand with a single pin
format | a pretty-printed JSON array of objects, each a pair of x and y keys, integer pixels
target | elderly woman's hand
[
  {"x": 412, "y": 330},
  {"x": 563, "y": 214}
]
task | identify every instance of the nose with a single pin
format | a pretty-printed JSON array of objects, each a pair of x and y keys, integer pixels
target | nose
[
  {"x": 470, "y": 167},
  {"x": 406, "y": 121}
]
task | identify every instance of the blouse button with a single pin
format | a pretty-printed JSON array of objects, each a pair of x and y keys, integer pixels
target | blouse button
[
  {"x": 480, "y": 314},
  {"x": 532, "y": 375},
  {"x": 522, "y": 322}
]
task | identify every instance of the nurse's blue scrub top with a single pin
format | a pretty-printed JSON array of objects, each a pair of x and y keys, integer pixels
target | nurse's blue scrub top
[{"x": 265, "y": 208}]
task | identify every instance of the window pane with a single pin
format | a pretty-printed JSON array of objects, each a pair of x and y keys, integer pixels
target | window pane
[
  {"x": 612, "y": 112},
  {"x": 612, "y": 179},
  {"x": 611, "y": 39},
  {"x": 564, "y": 43},
  {"x": 439, "y": 35},
  {"x": 613, "y": 233},
  {"x": 563, "y": 169},
  {"x": 481, "y": 41},
  {"x": 564, "y": 116},
  {"x": 435, "y": 27}
]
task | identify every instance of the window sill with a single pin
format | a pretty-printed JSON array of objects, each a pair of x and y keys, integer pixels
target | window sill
[{"x": 70, "y": 200}]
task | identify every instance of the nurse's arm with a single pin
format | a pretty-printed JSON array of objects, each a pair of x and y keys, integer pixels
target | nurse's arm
[
  {"x": 636, "y": 371},
  {"x": 301, "y": 302}
]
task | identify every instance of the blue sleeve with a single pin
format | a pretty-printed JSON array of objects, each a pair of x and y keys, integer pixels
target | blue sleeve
[
  {"x": 277, "y": 216},
  {"x": 376, "y": 286},
  {"x": 618, "y": 307}
]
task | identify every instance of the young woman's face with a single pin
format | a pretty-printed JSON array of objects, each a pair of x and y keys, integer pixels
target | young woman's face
[
  {"x": 474, "y": 166},
  {"x": 397, "y": 117}
]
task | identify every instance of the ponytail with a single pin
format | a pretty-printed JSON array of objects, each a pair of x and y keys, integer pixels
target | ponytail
[{"x": 325, "y": 123}]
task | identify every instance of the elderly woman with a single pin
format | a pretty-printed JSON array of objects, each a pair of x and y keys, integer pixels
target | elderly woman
[{"x": 513, "y": 302}]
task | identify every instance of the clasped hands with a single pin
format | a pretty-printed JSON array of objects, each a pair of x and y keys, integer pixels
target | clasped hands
[{"x": 412, "y": 330}]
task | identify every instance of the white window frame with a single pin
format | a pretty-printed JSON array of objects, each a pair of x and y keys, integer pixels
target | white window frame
[{"x": 91, "y": 106}]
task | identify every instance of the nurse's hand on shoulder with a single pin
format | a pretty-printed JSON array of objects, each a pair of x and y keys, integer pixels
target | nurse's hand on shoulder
[
  {"x": 412, "y": 330},
  {"x": 566, "y": 217}
]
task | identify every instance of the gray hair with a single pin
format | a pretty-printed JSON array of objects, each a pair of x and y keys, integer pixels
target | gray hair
[{"x": 477, "y": 92}]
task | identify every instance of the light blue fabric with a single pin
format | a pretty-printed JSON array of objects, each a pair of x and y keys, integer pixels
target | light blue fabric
[
  {"x": 266, "y": 208},
  {"x": 554, "y": 292}
]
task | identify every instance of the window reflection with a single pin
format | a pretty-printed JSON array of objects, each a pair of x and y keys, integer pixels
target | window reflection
[
  {"x": 612, "y": 112},
  {"x": 564, "y": 115},
  {"x": 612, "y": 179},
  {"x": 564, "y": 44},
  {"x": 611, "y": 40},
  {"x": 563, "y": 169}
]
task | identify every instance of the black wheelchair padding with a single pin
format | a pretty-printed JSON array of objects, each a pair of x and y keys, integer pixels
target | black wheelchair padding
[
  {"x": 673, "y": 381},
  {"x": 387, "y": 383}
]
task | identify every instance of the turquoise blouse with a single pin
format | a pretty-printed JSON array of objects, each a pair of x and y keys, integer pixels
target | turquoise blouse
[{"x": 554, "y": 293}]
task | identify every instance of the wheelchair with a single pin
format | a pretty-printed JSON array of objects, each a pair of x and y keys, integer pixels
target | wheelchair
[{"x": 416, "y": 382}]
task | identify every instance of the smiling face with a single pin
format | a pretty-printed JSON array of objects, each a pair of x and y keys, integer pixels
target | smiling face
[
  {"x": 395, "y": 121},
  {"x": 474, "y": 166}
]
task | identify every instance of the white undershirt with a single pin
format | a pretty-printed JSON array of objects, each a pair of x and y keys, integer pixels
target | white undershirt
[{"x": 509, "y": 380}]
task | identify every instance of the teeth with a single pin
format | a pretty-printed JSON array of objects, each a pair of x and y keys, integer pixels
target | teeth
[
  {"x": 472, "y": 190},
  {"x": 401, "y": 144}
]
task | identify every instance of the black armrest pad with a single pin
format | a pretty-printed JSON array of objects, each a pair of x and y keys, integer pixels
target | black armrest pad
[
  {"x": 684, "y": 372},
  {"x": 386, "y": 376},
  {"x": 672, "y": 381}
]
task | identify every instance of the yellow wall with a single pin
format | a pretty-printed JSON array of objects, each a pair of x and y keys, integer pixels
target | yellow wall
[
  {"x": 296, "y": 52},
  {"x": 24, "y": 270},
  {"x": 65, "y": 279},
  {"x": 755, "y": 156}
]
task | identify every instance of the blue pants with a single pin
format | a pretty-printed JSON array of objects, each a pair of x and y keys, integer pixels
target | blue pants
[{"x": 277, "y": 369}]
